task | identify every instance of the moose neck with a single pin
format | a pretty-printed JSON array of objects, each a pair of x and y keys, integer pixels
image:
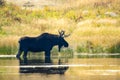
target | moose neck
[{"x": 56, "y": 41}]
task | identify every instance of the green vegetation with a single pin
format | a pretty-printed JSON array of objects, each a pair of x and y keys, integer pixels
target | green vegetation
[
  {"x": 89, "y": 47},
  {"x": 94, "y": 25},
  {"x": 65, "y": 53}
]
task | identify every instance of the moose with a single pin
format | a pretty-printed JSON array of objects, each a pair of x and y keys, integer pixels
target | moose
[{"x": 44, "y": 42}]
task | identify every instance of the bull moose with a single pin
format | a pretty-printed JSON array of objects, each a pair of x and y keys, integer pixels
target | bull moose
[{"x": 44, "y": 42}]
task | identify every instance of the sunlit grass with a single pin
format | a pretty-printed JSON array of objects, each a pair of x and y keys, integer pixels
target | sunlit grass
[{"x": 8, "y": 45}]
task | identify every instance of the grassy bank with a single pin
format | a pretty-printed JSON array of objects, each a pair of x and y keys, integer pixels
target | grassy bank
[{"x": 94, "y": 25}]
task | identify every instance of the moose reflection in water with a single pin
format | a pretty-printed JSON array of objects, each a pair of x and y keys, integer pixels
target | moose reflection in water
[
  {"x": 44, "y": 42},
  {"x": 42, "y": 66}
]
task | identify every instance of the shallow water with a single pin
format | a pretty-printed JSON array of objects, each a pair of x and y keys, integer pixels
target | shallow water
[{"x": 60, "y": 69}]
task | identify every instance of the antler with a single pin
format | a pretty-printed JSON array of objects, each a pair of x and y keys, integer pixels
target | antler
[
  {"x": 62, "y": 33},
  {"x": 67, "y": 35}
]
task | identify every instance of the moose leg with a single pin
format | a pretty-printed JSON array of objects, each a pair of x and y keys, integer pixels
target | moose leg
[
  {"x": 25, "y": 55},
  {"x": 47, "y": 57},
  {"x": 18, "y": 54}
]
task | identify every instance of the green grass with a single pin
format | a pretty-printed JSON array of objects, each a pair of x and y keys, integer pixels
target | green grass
[
  {"x": 65, "y": 53},
  {"x": 89, "y": 47},
  {"x": 8, "y": 50}
]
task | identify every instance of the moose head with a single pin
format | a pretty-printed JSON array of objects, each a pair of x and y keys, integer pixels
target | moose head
[{"x": 62, "y": 41}]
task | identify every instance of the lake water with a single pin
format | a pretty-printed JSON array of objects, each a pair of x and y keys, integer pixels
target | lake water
[{"x": 60, "y": 68}]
